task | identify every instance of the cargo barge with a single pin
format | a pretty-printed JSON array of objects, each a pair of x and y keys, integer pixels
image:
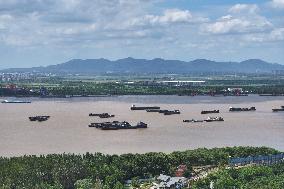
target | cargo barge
[
  {"x": 102, "y": 115},
  {"x": 211, "y": 119},
  {"x": 165, "y": 112},
  {"x": 171, "y": 112},
  {"x": 116, "y": 125},
  {"x": 210, "y": 112},
  {"x": 232, "y": 109},
  {"x": 192, "y": 121},
  {"x": 133, "y": 107}
]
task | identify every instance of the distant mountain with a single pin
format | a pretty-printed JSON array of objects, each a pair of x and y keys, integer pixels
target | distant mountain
[{"x": 158, "y": 65}]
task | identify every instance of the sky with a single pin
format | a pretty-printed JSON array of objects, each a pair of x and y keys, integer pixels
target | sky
[{"x": 45, "y": 32}]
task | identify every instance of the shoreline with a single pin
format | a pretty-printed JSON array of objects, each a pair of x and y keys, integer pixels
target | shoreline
[
  {"x": 113, "y": 95},
  {"x": 139, "y": 153}
]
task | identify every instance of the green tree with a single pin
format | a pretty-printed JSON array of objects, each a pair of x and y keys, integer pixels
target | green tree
[{"x": 84, "y": 184}]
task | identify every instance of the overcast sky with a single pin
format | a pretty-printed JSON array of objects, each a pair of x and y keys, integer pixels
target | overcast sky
[{"x": 44, "y": 32}]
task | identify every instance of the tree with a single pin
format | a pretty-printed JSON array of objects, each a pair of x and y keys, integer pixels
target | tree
[
  {"x": 84, "y": 184},
  {"x": 135, "y": 182},
  {"x": 118, "y": 185}
]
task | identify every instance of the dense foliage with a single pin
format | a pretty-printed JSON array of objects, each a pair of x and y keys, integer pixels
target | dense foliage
[
  {"x": 107, "y": 171},
  {"x": 90, "y": 88},
  {"x": 143, "y": 85},
  {"x": 258, "y": 177}
]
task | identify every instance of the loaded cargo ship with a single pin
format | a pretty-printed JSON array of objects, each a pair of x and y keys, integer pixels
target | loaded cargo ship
[
  {"x": 210, "y": 111},
  {"x": 133, "y": 107},
  {"x": 211, "y": 119},
  {"x": 242, "y": 109},
  {"x": 102, "y": 115},
  {"x": 115, "y": 125}
]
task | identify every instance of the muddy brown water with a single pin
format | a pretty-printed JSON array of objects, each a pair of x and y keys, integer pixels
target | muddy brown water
[{"x": 67, "y": 130}]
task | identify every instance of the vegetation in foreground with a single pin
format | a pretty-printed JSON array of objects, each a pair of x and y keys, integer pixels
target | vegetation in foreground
[
  {"x": 256, "y": 177},
  {"x": 111, "y": 171}
]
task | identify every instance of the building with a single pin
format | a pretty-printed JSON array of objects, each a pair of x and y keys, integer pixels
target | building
[
  {"x": 181, "y": 83},
  {"x": 167, "y": 182},
  {"x": 181, "y": 169}
]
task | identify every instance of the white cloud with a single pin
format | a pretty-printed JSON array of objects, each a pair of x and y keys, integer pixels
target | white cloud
[
  {"x": 170, "y": 16},
  {"x": 56, "y": 21},
  {"x": 278, "y": 4},
  {"x": 229, "y": 24},
  {"x": 5, "y": 20},
  {"x": 275, "y": 35},
  {"x": 243, "y": 19},
  {"x": 247, "y": 8}
]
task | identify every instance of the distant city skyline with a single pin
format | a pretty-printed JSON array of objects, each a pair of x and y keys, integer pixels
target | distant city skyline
[{"x": 45, "y": 32}]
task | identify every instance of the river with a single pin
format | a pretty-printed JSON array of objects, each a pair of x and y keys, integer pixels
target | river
[{"x": 67, "y": 130}]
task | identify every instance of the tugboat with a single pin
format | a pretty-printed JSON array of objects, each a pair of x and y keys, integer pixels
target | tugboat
[
  {"x": 192, "y": 121},
  {"x": 241, "y": 109},
  {"x": 210, "y": 112},
  {"x": 133, "y": 107},
  {"x": 211, "y": 119},
  {"x": 278, "y": 109},
  {"x": 102, "y": 115},
  {"x": 115, "y": 125},
  {"x": 39, "y": 118}
]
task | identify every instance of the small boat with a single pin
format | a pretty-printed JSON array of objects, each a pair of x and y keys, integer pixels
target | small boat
[
  {"x": 278, "y": 109},
  {"x": 102, "y": 115},
  {"x": 209, "y": 111},
  {"x": 39, "y": 118},
  {"x": 241, "y": 109},
  {"x": 15, "y": 101},
  {"x": 192, "y": 121},
  {"x": 141, "y": 125},
  {"x": 211, "y": 119},
  {"x": 133, "y": 107}
]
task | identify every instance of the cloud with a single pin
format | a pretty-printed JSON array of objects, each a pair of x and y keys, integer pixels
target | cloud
[
  {"x": 278, "y": 4},
  {"x": 5, "y": 20},
  {"x": 169, "y": 16},
  {"x": 38, "y": 22},
  {"x": 229, "y": 24},
  {"x": 243, "y": 18},
  {"x": 247, "y": 8},
  {"x": 276, "y": 35}
]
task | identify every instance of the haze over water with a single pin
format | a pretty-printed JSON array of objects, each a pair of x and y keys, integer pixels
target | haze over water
[{"x": 67, "y": 130}]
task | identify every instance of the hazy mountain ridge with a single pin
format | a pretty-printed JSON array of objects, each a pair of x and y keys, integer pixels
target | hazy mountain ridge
[{"x": 157, "y": 65}]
